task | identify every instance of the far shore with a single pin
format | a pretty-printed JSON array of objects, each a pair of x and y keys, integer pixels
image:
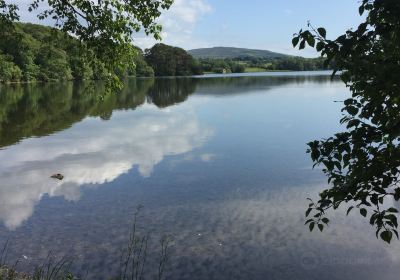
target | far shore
[{"x": 205, "y": 74}]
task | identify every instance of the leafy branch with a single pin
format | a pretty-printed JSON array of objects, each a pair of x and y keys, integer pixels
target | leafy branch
[{"x": 362, "y": 163}]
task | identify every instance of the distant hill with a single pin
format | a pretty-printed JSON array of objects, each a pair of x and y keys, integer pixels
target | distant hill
[{"x": 227, "y": 52}]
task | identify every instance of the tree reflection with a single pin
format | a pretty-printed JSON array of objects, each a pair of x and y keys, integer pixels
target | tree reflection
[
  {"x": 167, "y": 92},
  {"x": 42, "y": 109},
  {"x": 35, "y": 110}
]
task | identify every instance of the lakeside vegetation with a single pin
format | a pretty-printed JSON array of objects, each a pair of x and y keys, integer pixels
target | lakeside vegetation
[
  {"x": 253, "y": 64},
  {"x": 240, "y": 60},
  {"x": 31, "y": 52},
  {"x": 361, "y": 162}
]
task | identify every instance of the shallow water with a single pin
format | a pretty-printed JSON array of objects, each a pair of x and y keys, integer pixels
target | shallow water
[{"x": 218, "y": 163}]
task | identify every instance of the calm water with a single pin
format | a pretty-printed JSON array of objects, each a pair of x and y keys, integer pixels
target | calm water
[{"x": 218, "y": 163}]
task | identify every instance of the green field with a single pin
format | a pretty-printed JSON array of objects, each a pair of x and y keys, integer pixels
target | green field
[{"x": 254, "y": 69}]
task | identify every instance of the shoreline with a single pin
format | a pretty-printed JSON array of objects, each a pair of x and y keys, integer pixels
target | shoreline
[{"x": 205, "y": 75}]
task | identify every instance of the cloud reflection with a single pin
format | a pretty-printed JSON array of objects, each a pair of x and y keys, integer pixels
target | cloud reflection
[
  {"x": 265, "y": 235},
  {"x": 92, "y": 152}
]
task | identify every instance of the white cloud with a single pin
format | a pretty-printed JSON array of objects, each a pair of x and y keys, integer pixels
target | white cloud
[
  {"x": 178, "y": 24},
  {"x": 90, "y": 153},
  {"x": 189, "y": 11},
  {"x": 270, "y": 226}
]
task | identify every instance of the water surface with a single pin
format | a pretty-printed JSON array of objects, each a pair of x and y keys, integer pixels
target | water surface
[{"x": 218, "y": 163}]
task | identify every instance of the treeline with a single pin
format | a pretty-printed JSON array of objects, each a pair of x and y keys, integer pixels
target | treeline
[
  {"x": 222, "y": 65},
  {"x": 31, "y": 52},
  {"x": 248, "y": 64},
  {"x": 293, "y": 63}
]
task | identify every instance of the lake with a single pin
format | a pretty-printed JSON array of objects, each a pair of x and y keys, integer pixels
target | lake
[{"x": 218, "y": 163}]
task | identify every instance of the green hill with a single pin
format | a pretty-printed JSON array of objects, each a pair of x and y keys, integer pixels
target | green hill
[{"x": 227, "y": 52}]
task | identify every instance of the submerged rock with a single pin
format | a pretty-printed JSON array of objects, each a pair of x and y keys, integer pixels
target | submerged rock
[{"x": 57, "y": 176}]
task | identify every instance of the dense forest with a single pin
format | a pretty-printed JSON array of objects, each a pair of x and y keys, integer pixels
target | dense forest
[{"x": 31, "y": 52}]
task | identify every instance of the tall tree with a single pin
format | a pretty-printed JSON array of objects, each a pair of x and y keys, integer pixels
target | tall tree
[
  {"x": 363, "y": 162},
  {"x": 171, "y": 61}
]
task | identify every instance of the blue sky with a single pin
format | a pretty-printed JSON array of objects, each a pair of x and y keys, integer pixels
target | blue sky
[
  {"x": 261, "y": 24},
  {"x": 269, "y": 24}
]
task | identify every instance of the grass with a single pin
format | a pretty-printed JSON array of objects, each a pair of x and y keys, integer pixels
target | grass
[
  {"x": 254, "y": 69},
  {"x": 209, "y": 72}
]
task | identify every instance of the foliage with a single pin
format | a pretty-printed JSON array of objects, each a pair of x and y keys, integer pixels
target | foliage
[
  {"x": 104, "y": 29},
  {"x": 8, "y": 70},
  {"x": 237, "y": 60},
  {"x": 142, "y": 69},
  {"x": 53, "y": 64},
  {"x": 239, "y": 64},
  {"x": 38, "y": 53},
  {"x": 362, "y": 163},
  {"x": 221, "y": 65},
  {"x": 298, "y": 64},
  {"x": 171, "y": 61},
  {"x": 8, "y": 13}
]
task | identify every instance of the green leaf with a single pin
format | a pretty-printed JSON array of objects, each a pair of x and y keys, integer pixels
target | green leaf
[
  {"x": 308, "y": 211},
  {"x": 311, "y": 226},
  {"x": 320, "y": 46},
  {"x": 325, "y": 220},
  {"x": 374, "y": 199},
  {"x": 321, "y": 227},
  {"x": 348, "y": 210},
  {"x": 393, "y": 219},
  {"x": 392, "y": 210},
  {"x": 386, "y": 236},
  {"x": 322, "y": 32},
  {"x": 302, "y": 45},
  {"x": 361, "y": 10},
  {"x": 308, "y": 221},
  {"x": 311, "y": 41},
  {"x": 372, "y": 219},
  {"x": 363, "y": 212},
  {"x": 352, "y": 110},
  {"x": 395, "y": 232},
  {"x": 295, "y": 41}
]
